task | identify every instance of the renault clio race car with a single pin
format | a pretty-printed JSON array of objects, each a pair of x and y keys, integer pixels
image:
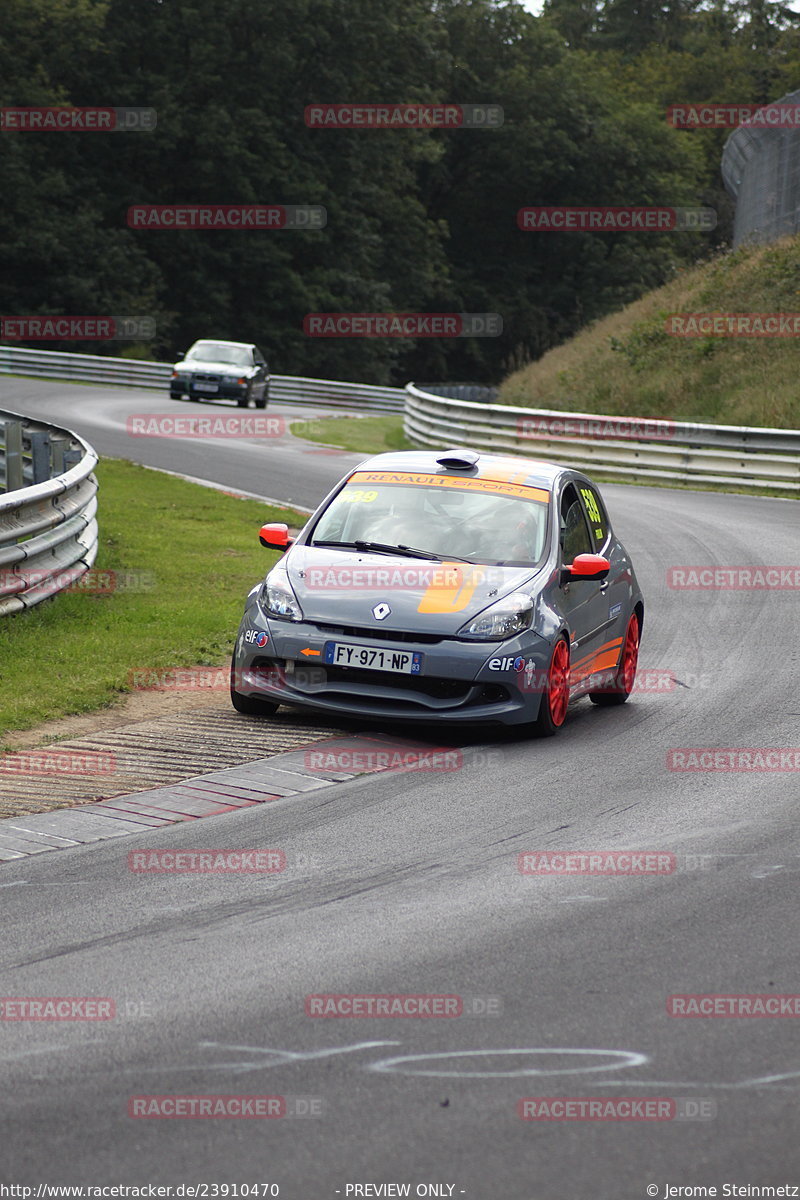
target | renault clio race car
[{"x": 457, "y": 587}]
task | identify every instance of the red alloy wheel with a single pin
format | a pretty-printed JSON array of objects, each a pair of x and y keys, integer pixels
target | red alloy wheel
[
  {"x": 630, "y": 656},
  {"x": 625, "y": 675},
  {"x": 558, "y": 683}
]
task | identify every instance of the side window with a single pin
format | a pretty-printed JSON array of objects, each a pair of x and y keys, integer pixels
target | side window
[
  {"x": 574, "y": 531},
  {"x": 260, "y": 360},
  {"x": 595, "y": 512}
]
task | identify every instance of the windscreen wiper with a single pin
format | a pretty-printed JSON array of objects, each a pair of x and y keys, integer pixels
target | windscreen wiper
[
  {"x": 437, "y": 557},
  {"x": 385, "y": 548}
]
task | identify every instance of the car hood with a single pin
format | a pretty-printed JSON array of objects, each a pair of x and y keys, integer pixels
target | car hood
[
  {"x": 341, "y": 587},
  {"x": 213, "y": 367}
]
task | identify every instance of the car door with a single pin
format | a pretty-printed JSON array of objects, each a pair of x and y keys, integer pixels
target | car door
[
  {"x": 616, "y": 587},
  {"x": 582, "y": 601}
]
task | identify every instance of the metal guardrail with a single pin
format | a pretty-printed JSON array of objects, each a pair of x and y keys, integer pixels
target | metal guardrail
[
  {"x": 130, "y": 372},
  {"x": 48, "y": 510},
  {"x": 462, "y": 391},
  {"x": 619, "y": 447}
]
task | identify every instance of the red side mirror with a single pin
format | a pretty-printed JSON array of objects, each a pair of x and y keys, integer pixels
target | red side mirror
[
  {"x": 275, "y": 536},
  {"x": 588, "y": 566}
]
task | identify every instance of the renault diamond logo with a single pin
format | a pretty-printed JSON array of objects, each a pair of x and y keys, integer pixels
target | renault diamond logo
[{"x": 380, "y": 611}]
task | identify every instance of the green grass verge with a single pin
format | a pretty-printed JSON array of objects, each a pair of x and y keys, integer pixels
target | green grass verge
[
  {"x": 367, "y": 435},
  {"x": 628, "y": 364},
  {"x": 74, "y": 654}
]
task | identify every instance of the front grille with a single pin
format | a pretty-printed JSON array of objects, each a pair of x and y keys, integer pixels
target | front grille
[
  {"x": 381, "y": 635},
  {"x": 440, "y": 689},
  {"x": 325, "y": 678}
]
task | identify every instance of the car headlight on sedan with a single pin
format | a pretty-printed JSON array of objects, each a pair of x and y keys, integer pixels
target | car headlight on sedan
[
  {"x": 508, "y": 616},
  {"x": 277, "y": 597}
]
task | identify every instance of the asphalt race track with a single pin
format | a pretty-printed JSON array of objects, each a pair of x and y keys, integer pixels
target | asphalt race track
[{"x": 411, "y": 886}]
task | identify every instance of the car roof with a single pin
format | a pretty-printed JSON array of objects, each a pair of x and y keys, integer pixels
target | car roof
[
  {"x": 222, "y": 342},
  {"x": 506, "y": 468}
]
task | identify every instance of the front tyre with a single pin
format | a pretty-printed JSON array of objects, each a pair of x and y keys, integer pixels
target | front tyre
[
  {"x": 252, "y": 706},
  {"x": 623, "y": 681},
  {"x": 553, "y": 706}
]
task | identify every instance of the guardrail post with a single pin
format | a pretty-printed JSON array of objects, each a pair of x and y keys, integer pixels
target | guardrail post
[
  {"x": 13, "y": 440},
  {"x": 40, "y": 455},
  {"x": 71, "y": 459},
  {"x": 59, "y": 446}
]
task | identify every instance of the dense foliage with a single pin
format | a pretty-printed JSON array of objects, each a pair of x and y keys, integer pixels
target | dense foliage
[{"x": 418, "y": 221}]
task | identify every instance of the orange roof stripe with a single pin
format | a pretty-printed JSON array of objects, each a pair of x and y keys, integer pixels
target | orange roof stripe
[{"x": 495, "y": 487}]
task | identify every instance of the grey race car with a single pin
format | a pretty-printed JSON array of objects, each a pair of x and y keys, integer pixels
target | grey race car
[{"x": 457, "y": 587}]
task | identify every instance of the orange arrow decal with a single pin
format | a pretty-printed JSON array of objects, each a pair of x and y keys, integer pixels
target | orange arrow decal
[{"x": 307, "y": 651}]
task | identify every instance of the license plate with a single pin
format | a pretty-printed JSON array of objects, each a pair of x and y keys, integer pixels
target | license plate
[
  {"x": 373, "y": 658},
  {"x": 206, "y": 387}
]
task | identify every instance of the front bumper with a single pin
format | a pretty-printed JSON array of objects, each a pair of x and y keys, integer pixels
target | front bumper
[
  {"x": 459, "y": 682},
  {"x": 226, "y": 389}
]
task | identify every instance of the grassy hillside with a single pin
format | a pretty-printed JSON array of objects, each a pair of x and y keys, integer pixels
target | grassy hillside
[{"x": 628, "y": 364}]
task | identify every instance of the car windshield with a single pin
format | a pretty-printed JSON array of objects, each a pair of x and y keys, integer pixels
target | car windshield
[
  {"x": 238, "y": 356},
  {"x": 455, "y": 518}
]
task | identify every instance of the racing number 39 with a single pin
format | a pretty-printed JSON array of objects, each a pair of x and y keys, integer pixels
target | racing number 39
[{"x": 595, "y": 516}]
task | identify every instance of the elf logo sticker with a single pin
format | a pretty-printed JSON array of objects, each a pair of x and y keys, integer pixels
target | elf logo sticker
[
  {"x": 506, "y": 664},
  {"x": 256, "y": 637}
]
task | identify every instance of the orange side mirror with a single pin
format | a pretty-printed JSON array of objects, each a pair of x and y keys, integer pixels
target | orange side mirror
[
  {"x": 588, "y": 566},
  {"x": 275, "y": 536}
]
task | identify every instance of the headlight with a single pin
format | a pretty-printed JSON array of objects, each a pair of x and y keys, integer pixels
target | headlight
[
  {"x": 277, "y": 597},
  {"x": 502, "y": 620}
]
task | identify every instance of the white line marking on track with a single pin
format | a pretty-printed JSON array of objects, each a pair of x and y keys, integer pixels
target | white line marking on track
[{"x": 628, "y": 1058}]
